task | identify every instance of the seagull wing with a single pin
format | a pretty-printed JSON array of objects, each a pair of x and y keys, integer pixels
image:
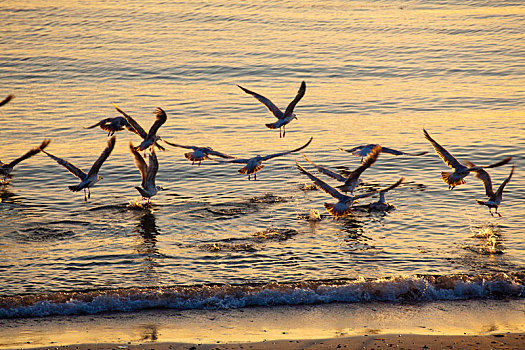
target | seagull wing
[
  {"x": 443, "y": 153},
  {"x": 181, "y": 146},
  {"x": 103, "y": 156},
  {"x": 30, "y": 153},
  {"x": 6, "y": 100},
  {"x": 351, "y": 150},
  {"x": 139, "y": 163},
  {"x": 367, "y": 163},
  {"x": 152, "y": 169},
  {"x": 133, "y": 125},
  {"x": 500, "y": 163},
  {"x": 391, "y": 187},
  {"x": 103, "y": 121},
  {"x": 219, "y": 154},
  {"x": 398, "y": 153},
  {"x": 70, "y": 167},
  {"x": 269, "y": 104},
  {"x": 499, "y": 192},
  {"x": 160, "y": 118},
  {"x": 326, "y": 171},
  {"x": 236, "y": 160},
  {"x": 482, "y": 175},
  {"x": 322, "y": 185},
  {"x": 287, "y": 152},
  {"x": 298, "y": 97}
]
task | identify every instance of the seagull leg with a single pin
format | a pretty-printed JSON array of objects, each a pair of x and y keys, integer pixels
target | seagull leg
[
  {"x": 85, "y": 197},
  {"x": 284, "y": 130},
  {"x": 89, "y": 193},
  {"x": 255, "y": 176},
  {"x": 280, "y": 135},
  {"x": 199, "y": 163},
  {"x": 248, "y": 177}
]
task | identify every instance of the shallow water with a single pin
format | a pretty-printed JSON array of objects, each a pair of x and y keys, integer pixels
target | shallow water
[{"x": 376, "y": 72}]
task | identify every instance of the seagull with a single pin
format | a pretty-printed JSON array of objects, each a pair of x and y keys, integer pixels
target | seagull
[
  {"x": 460, "y": 171},
  {"x": 494, "y": 198},
  {"x": 344, "y": 205},
  {"x": 283, "y": 118},
  {"x": 112, "y": 125},
  {"x": 91, "y": 178},
  {"x": 350, "y": 182},
  {"x": 6, "y": 100},
  {"x": 151, "y": 137},
  {"x": 148, "y": 173},
  {"x": 363, "y": 151},
  {"x": 6, "y": 168},
  {"x": 253, "y": 165},
  {"x": 381, "y": 204},
  {"x": 199, "y": 153}
]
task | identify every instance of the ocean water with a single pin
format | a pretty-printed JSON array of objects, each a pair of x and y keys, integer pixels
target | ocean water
[{"x": 376, "y": 72}]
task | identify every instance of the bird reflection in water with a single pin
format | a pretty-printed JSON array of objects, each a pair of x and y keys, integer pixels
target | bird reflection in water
[
  {"x": 352, "y": 233},
  {"x": 147, "y": 245},
  {"x": 149, "y": 332},
  {"x": 5, "y": 193}
]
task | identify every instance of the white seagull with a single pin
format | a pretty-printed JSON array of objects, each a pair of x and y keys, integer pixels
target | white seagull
[
  {"x": 494, "y": 198},
  {"x": 460, "y": 171},
  {"x": 351, "y": 181},
  {"x": 199, "y": 153},
  {"x": 381, "y": 204},
  {"x": 283, "y": 118},
  {"x": 147, "y": 172},
  {"x": 344, "y": 205},
  {"x": 112, "y": 125},
  {"x": 253, "y": 165},
  {"x": 6, "y": 168},
  {"x": 6, "y": 100},
  {"x": 91, "y": 178},
  {"x": 150, "y": 138},
  {"x": 363, "y": 151}
]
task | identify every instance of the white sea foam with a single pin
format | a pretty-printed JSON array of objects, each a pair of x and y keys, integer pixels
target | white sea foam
[{"x": 395, "y": 289}]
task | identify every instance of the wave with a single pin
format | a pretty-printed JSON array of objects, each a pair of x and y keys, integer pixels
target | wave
[{"x": 393, "y": 289}]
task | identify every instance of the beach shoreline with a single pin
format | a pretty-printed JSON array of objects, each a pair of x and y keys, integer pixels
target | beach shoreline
[
  {"x": 385, "y": 341},
  {"x": 453, "y": 324}
]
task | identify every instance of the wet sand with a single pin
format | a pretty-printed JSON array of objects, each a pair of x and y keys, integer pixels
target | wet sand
[
  {"x": 390, "y": 341},
  {"x": 474, "y": 324}
]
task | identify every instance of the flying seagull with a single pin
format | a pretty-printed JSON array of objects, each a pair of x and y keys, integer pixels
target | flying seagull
[
  {"x": 460, "y": 171},
  {"x": 494, "y": 198},
  {"x": 6, "y": 168},
  {"x": 344, "y": 203},
  {"x": 350, "y": 182},
  {"x": 199, "y": 153},
  {"x": 381, "y": 204},
  {"x": 253, "y": 165},
  {"x": 283, "y": 118},
  {"x": 148, "y": 173},
  {"x": 91, "y": 178},
  {"x": 363, "y": 151},
  {"x": 150, "y": 138},
  {"x": 112, "y": 125},
  {"x": 6, "y": 100}
]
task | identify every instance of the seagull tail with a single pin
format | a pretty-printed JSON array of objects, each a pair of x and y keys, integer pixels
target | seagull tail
[
  {"x": 75, "y": 188},
  {"x": 142, "y": 192},
  {"x": 480, "y": 202},
  {"x": 245, "y": 171},
  {"x": 272, "y": 125},
  {"x": 336, "y": 211},
  {"x": 449, "y": 180}
]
